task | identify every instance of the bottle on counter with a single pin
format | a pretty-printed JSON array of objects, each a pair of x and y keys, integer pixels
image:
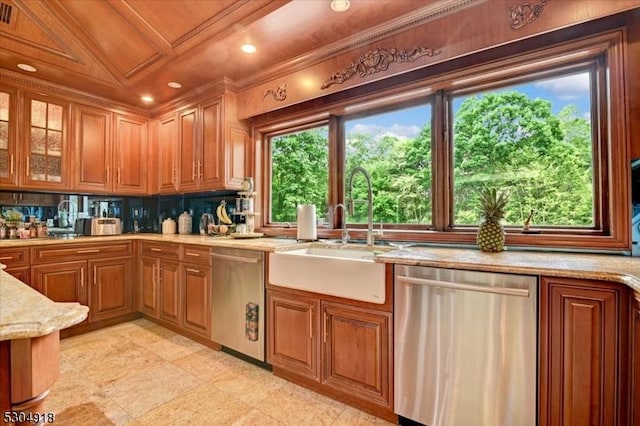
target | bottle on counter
[{"x": 184, "y": 223}]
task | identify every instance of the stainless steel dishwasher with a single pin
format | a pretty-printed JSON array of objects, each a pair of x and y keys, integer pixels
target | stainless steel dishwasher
[
  {"x": 237, "y": 293},
  {"x": 465, "y": 347}
]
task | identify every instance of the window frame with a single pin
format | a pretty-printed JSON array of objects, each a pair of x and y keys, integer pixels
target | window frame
[{"x": 609, "y": 112}]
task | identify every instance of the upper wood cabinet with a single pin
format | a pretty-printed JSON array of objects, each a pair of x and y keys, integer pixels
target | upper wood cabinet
[
  {"x": 106, "y": 161},
  {"x": 166, "y": 151},
  {"x": 130, "y": 154},
  {"x": 8, "y": 145},
  {"x": 201, "y": 148},
  {"x": 92, "y": 149},
  {"x": 44, "y": 163}
]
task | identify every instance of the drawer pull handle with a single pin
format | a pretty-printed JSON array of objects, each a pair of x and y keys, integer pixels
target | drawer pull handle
[
  {"x": 193, "y": 254},
  {"x": 196, "y": 271},
  {"x": 310, "y": 324},
  {"x": 155, "y": 249},
  {"x": 88, "y": 251},
  {"x": 6, "y": 258}
]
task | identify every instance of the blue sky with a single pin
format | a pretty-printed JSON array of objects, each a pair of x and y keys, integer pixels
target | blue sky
[{"x": 561, "y": 91}]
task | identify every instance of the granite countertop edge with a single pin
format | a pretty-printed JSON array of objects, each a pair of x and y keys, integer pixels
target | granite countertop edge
[{"x": 25, "y": 313}]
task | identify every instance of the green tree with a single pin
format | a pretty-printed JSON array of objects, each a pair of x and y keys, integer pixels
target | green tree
[
  {"x": 513, "y": 142},
  {"x": 299, "y": 173}
]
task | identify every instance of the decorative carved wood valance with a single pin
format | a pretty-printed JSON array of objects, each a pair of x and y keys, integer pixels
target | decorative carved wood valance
[
  {"x": 377, "y": 60},
  {"x": 278, "y": 94},
  {"x": 524, "y": 14}
]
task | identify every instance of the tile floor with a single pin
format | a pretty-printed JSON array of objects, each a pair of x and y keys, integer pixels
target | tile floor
[{"x": 139, "y": 373}]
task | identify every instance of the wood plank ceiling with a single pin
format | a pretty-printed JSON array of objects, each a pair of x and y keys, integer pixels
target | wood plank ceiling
[{"x": 122, "y": 49}]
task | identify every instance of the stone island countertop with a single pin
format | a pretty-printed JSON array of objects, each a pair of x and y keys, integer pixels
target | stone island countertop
[
  {"x": 25, "y": 313},
  {"x": 615, "y": 268}
]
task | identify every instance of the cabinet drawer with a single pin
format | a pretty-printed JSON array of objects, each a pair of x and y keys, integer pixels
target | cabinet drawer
[
  {"x": 78, "y": 251},
  {"x": 196, "y": 254},
  {"x": 14, "y": 257},
  {"x": 164, "y": 250}
]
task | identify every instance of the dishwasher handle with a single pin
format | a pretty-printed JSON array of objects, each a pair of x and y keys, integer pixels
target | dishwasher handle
[
  {"x": 235, "y": 258},
  {"x": 458, "y": 286}
]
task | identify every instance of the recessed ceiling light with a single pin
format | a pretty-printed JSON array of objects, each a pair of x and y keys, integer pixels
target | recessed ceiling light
[
  {"x": 26, "y": 67},
  {"x": 147, "y": 99},
  {"x": 174, "y": 84},
  {"x": 340, "y": 5},
  {"x": 248, "y": 48}
]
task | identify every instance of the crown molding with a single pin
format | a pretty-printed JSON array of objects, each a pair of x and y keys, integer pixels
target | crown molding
[
  {"x": 363, "y": 39},
  {"x": 33, "y": 84}
]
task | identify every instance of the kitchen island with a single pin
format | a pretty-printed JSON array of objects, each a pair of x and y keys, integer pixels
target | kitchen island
[{"x": 30, "y": 325}]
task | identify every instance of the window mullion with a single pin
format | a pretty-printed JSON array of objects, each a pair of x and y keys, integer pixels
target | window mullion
[{"x": 441, "y": 164}]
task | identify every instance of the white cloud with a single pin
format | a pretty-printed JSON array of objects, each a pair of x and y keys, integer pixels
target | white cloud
[
  {"x": 399, "y": 130},
  {"x": 567, "y": 88}
]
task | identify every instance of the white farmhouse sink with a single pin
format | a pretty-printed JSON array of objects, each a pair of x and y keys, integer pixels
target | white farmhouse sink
[{"x": 341, "y": 272}]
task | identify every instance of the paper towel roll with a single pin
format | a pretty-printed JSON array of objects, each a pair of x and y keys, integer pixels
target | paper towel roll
[{"x": 307, "y": 222}]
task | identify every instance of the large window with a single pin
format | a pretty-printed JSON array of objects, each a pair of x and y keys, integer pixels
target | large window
[
  {"x": 299, "y": 172},
  {"x": 533, "y": 140},
  {"x": 547, "y": 127}
]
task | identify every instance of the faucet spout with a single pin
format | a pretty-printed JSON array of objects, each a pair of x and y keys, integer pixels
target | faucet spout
[{"x": 359, "y": 169}]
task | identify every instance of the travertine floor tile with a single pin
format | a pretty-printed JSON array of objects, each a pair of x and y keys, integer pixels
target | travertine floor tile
[
  {"x": 352, "y": 417},
  {"x": 174, "y": 347},
  {"x": 150, "y": 388},
  {"x": 204, "y": 364}
]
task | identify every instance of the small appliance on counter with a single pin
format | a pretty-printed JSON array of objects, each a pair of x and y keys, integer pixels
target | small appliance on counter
[
  {"x": 307, "y": 230},
  {"x": 98, "y": 226}
]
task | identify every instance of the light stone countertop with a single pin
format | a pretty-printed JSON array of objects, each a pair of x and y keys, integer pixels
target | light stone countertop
[
  {"x": 615, "y": 268},
  {"x": 25, "y": 313},
  {"x": 260, "y": 244}
]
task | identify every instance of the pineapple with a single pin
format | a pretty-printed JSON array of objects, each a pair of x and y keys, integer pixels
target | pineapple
[{"x": 491, "y": 233}]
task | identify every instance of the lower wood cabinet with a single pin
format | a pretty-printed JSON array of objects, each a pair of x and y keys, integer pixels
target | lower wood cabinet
[
  {"x": 345, "y": 350},
  {"x": 148, "y": 281},
  {"x": 196, "y": 285},
  {"x": 94, "y": 279},
  {"x": 23, "y": 273},
  {"x": 584, "y": 347},
  {"x": 356, "y": 356},
  {"x": 175, "y": 291},
  {"x": 170, "y": 294},
  {"x": 62, "y": 282},
  {"x": 293, "y": 325},
  {"x": 110, "y": 289},
  {"x": 17, "y": 261}
]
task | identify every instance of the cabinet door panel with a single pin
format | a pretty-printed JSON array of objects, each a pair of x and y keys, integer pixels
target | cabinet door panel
[
  {"x": 62, "y": 282},
  {"x": 356, "y": 351},
  {"x": 110, "y": 292},
  {"x": 148, "y": 296},
  {"x": 236, "y": 158},
  {"x": 170, "y": 297},
  {"x": 8, "y": 145},
  {"x": 582, "y": 339},
  {"x": 167, "y": 150},
  {"x": 45, "y": 145},
  {"x": 293, "y": 333},
  {"x": 196, "y": 281},
  {"x": 130, "y": 155},
  {"x": 212, "y": 149},
  {"x": 189, "y": 147},
  {"x": 92, "y": 149}
]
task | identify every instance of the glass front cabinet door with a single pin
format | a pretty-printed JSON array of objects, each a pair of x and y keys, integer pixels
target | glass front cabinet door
[
  {"x": 8, "y": 153},
  {"x": 45, "y": 143}
]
